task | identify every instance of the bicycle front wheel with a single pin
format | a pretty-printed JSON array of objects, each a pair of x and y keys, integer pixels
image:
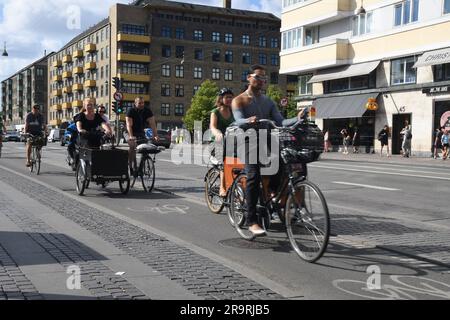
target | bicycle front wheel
[
  {"x": 148, "y": 175},
  {"x": 38, "y": 161},
  {"x": 212, "y": 189},
  {"x": 33, "y": 159},
  {"x": 307, "y": 221}
]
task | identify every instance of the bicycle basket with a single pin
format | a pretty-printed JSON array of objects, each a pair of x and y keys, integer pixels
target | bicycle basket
[{"x": 304, "y": 145}]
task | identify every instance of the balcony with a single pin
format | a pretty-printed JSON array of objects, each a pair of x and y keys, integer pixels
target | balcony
[
  {"x": 90, "y": 83},
  {"x": 67, "y": 74},
  {"x": 134, "y": 57},
  {"x": 317, "y": 12},
  {"x": 56, "y": 107},
  {"x": 77, "y": 87},
  {"x": 132, "y": 97},
  {"x": 57, "y": 64},
  {"x": 133, "y": 38},
  {"x": 56, "y": 122},
  {"x": 67, "y": 89},
  {"x": 67, "y": 58},
  {"x": 92, "y": 47},
  {"x": 57, "y": 78},
  {"x": 78, "y": 54},
  {"x": 90, "y": 66},
  {"x": 57, "y": 93},
  {"x": 77, "y": 104},
  {"x": 67, "y": 105},
  {"x": 320, "y": 55},
  {"x": 135, "y": 77},
  {"x": 78, "y": 70}
]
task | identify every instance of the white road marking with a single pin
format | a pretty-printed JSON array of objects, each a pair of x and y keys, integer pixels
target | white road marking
[{"x": 365, "y": 186}]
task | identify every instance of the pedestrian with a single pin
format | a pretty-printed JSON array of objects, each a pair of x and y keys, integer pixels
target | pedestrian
[
  {"x": 383, "y": 137},
  {"x": 326, "y": 139},
  {"x": 437, "y": 142},
  {"x": 356, "y": 141},
  {"x": 346, "y": 140},
  {"x": 445, "y": 140},
  {"x": 407, "y": 137},
  {"x": 101, "y": 110}
]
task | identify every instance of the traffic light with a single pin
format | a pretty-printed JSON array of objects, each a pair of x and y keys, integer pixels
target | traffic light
[
  {"x": 117, "y": 83},
  {"x": 117, "y": 107},
  {"x": 114, "y": 107}
]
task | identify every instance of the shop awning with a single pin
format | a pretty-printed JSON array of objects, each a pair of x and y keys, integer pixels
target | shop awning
[
  {"x": 353, "y": 70},
  {"x": 431, "y": 58},
  {"x": 353, "y": 106}
]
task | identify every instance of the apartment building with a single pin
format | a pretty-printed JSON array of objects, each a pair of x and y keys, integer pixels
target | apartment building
[
  {"x": 348, "y": 54},
  {"x": 22, "y": 90},
  {"x": 163, "y": 51}
]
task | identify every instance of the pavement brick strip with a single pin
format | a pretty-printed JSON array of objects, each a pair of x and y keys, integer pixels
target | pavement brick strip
[{"x": 200, "y": 275}]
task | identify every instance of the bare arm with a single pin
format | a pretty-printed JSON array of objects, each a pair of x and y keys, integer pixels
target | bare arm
[
  {"x": 152, "y": 123},
  {"x": 213, "y": 126},
  {"x": 107, "y": 128}
]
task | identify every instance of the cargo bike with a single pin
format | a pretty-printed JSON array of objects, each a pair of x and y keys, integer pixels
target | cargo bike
[
  {"x": 295, "y": 202},
  {"x": 101, "y": 163}
]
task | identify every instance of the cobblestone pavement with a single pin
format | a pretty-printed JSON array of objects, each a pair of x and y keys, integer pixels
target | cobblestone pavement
[{"x": 200, "y": 275}]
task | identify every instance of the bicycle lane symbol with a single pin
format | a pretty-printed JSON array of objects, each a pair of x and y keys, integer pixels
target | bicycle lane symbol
[{"x": 163, "y": 210}]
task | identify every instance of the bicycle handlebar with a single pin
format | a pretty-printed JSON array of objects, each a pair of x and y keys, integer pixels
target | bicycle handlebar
[{"x": 273, "y": 124}]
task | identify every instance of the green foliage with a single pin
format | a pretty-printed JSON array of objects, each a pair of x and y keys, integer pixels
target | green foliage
[
  {"x": 274, "y": 92},
  {"x": 202, "y": 104}
]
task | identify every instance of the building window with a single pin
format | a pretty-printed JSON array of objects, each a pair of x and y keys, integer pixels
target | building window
[
  {"x": 133, "y": 68},
  {"x": 362, "y": 24},
  {"x": 311, "y": 36},
  {"x": 216, "y": 37},
  {"x": 304, "y": 88},
  {"x": 229, "y": 56},
  {"x": 198, "y": 35},
  {"x": 275, "y": 59},
  {"x": 133, "y": 29},
  {"x": 107, "y": 52},
  {"x": 244, "y": 76},
  {"x": 198, "y": 54},
  {"x": 166, "y": 51},
  {"x": 165, "y": 109},
  {"x": 179, "y": 71},
  {"x": 196, "y": 88},
  {"x": 216, "y": 55},
  {"x": 216, "y": 74},
  {"x": 179, "y": 109},
  {"x": 446, "y": 6},
  {"x": 292, "y": 39},
  {"x": 262, "y": 59},
  {"x": 102, "y": 53},
  {"x": 179, "y": 90},
  {"x": 406, "y": 12},
  {"x": 229, "y": 38},
  {"x": 274, "y": 43},
  {"x": 274, "y": 78},
  {"x": 165, "y": 70},
  {"x": 246, "y": 58},
  {"x": 166, "y": 32},
  {"x": 246, "y": 40},
  {"x": 402, "y": 71},
  {"x": 262, "y": 42},
  {"x": 198, "y": 73},
  {"x": 228, "y": 75},
  {"x": 442, "y": 72},
  {"x": 179, "y": 53},
  {"x": 165, "y": 90},
  {"x": 101, "y": 73},
  {"x": 179, "y": 33}
]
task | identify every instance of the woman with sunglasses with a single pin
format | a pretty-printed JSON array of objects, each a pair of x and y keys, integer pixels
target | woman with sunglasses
[{"x": 221, "y": 118}]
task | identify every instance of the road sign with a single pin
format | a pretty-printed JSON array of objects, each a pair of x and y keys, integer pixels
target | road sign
[
  {"x": 284, "y": 102},
  {"x": 118, "y": 96}
]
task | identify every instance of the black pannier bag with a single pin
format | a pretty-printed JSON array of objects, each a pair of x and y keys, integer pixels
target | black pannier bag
[{"x": 305, "y": 144}]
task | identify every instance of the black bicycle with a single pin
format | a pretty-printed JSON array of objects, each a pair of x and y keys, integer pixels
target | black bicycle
[
  {"x": 37, "y": 143},
  {"x": 145, "y": 171},
  {"x": 299, "y": 203}
]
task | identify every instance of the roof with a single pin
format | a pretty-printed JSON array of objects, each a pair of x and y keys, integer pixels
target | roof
[
  {"x": 92, "y": 29},
  {"x": 29, "y": 66},
  {"x": 205, "y": 9}
]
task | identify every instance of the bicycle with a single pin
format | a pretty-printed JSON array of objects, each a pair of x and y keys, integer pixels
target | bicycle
[
  {"x": 37, "y": 142},
  {"x": 214, "y": 201},
  {"x": 299, "y": 203},
  {"x": 146, "y": 168}
]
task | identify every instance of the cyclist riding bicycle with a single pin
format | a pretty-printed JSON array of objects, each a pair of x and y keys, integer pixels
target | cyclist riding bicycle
[
  {"x": 88, "y": 123},
  {"x": 221, "y": 118},
  {"x": 248, "y": 108},
  {"x": 34, "y": 125},
  {"x": 138, "y": 119},
  {"x": 71, "y": 131}
]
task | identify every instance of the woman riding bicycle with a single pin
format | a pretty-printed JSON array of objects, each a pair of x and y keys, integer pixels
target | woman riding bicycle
[
  {"x": 221, "y": 118},
  {"x": 88, "y": 123}
]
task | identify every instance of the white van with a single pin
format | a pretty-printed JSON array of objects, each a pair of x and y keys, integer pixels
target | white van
[{"x": 54, "y": 135}]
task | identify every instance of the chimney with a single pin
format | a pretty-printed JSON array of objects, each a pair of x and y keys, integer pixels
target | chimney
[{"x": 227, "y": 4}]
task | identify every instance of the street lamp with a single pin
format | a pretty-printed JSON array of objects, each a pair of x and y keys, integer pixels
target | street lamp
[{"x": 5, "y": 53}]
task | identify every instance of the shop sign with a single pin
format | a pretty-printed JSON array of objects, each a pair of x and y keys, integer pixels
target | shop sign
[
  {"x": 436, "y": 90},
  {"x": 372, "y": 104}
]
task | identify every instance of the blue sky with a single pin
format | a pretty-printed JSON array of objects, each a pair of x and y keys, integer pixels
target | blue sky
[{"x": 31, "y": 26}]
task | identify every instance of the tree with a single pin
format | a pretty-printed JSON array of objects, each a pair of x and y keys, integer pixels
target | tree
[
  {"x": 202, "y": 104},
  {"x": 274, "y": 92}
]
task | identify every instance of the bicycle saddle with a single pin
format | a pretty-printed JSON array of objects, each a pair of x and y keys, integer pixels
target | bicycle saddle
[{"x": 149, "y": 149}]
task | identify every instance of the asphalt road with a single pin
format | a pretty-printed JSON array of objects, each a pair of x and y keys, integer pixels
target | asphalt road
[{"x": 364, "y": 200}]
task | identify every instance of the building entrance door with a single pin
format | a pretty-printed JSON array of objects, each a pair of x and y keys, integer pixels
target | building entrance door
[{"x": 398, "y": 123}]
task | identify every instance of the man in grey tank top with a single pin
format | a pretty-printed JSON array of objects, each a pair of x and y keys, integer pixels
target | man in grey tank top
[{"x": 248, "y": 108}]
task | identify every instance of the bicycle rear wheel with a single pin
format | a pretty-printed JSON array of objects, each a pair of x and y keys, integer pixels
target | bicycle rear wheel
[
  {"x": 148, "y": 175},
  {"x": 212, "y": 189},
  {"x": 32, "y": 160},
  {"x": 38, "y": 161},
  {"x": 308, "y": 221}
]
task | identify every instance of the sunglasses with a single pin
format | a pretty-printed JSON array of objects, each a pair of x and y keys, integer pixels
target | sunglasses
[{"x": 259, "y": 78}]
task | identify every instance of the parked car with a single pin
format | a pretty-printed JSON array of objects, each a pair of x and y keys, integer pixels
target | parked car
[
  {"x": 165, "y": 137},
  {"x": 12, "y": 136},
  {"x": 55, "y": 135}
]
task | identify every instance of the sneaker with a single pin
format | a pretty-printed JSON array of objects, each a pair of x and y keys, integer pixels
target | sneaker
[
  {"x": 258, "y": 232},
  {"x": 275, "y": 217}
]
